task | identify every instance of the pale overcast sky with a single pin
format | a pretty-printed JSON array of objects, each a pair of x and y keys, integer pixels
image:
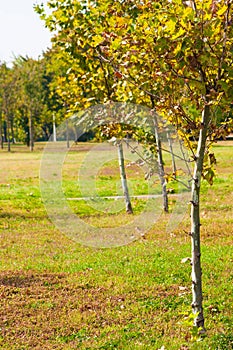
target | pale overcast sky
[{"x": 22, "y": 31}]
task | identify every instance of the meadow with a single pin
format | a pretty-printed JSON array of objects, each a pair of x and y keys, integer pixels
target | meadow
[{"x": 56, "y": 293}]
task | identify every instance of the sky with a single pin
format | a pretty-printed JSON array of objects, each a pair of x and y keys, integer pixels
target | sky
[{"x": 22, "y": 30}]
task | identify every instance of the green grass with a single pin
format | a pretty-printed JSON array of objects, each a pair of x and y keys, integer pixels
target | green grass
[{"x": 57, "y": 294}]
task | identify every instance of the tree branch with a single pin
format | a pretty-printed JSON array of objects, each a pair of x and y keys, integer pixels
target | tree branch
[
  {"x": 183, "y": 76},
  {"x": 176, "y": 155}
]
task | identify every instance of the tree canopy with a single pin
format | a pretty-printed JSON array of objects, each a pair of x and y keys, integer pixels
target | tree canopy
[{"x": 173, "y": 54}]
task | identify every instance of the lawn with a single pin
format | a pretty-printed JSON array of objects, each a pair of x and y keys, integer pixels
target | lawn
[{"x": 59, "y": 294}]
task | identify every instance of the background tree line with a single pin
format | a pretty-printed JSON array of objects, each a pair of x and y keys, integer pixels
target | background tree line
[{"x": 28, "y": 100}]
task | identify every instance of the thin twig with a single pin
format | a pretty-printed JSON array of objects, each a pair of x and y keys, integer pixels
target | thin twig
[
  {"x": 183, "y": 183},
  {"x": 135, "y": 151},
  {"x": 176, "y": 155}
]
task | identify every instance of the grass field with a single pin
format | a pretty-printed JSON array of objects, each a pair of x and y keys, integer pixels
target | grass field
[{"x": 58, "y": 294}]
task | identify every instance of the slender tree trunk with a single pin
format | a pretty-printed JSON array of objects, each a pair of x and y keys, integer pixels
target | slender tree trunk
[
  {"x": 4, "y": 131},
  {"x": 195, "y": 223},
  {"x": 54, "y": 129},
  {"x": 161, "y": 167},
  {"x": 128, "y": 205},
  {"x": 12, "y": 130},
  {"x": 31, "y": 133}
]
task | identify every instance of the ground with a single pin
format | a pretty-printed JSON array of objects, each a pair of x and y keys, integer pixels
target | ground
[{"x": 58, "y": 294}]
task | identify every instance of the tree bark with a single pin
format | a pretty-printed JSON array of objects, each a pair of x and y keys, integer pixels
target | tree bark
[
  {"x": 161, "y": 167},
  {"x": 128, "y": 205},
  {"x": 4, "y": 131},
  {"x": 54, "y": 129},
  {"x": 12, "y": 130},
  {"x": 195, "y": 222}
]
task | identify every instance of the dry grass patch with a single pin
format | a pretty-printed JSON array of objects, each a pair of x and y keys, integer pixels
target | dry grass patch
[{"x": 46, "y": 311}]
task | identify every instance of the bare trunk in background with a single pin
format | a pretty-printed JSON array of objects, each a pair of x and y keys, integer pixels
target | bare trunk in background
[
  {"x": 161, "y": 166},
  {"x": 123, "y": 178}
]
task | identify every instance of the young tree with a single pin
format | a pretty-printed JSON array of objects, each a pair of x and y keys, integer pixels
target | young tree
[{"x": 173, "y": 56}]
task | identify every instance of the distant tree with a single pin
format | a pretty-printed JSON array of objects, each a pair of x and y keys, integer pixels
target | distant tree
[
  {"x": 8, "y": 97},
  {"x": 30, "y": 74}
]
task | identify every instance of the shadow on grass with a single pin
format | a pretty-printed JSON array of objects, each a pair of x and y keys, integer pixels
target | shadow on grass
[{"x": 23, "y": 280}]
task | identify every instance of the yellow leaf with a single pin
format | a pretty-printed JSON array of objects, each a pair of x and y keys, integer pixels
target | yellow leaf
[
  {"x": 116, "y": 43},
  {"x": 180, "y": 32},
  {"x": 120, "y": 21},
  {"x": 222, "y": 10},
  {"x": 97, "y": 40},
  {"x": 188, "y": 12},
  {"x": 178, "y": 48},
  {"x": 171, "y": 26}
]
